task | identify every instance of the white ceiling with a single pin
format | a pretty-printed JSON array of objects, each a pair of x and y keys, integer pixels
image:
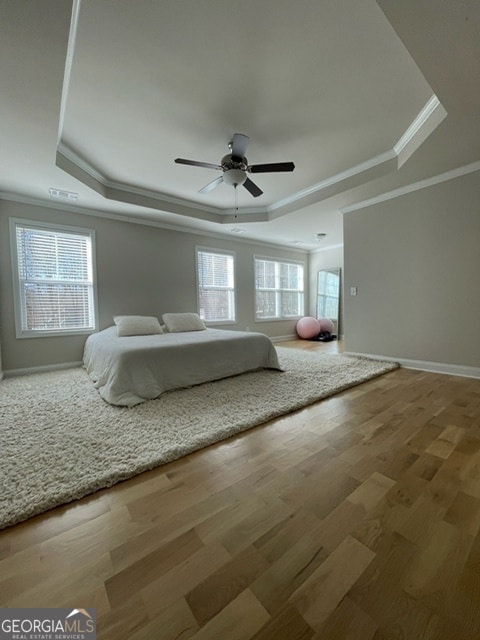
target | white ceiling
[{"x": 101, "y": 96}]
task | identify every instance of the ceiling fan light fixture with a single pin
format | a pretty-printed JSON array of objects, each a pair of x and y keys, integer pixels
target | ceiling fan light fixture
[{"x": 234, "y": 177}]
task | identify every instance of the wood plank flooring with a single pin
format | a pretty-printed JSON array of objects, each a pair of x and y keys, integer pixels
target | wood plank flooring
[{"x": 355, "y": 518}]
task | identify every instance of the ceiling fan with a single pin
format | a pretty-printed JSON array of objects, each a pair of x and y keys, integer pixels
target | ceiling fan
[{"x": 235, "y": 167}]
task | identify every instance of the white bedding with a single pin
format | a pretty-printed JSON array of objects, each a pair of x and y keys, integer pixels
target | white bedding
[{"x": 130, "y": 370}]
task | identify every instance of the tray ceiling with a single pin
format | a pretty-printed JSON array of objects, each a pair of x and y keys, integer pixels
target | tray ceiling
[{"x": 103, "y": 96}]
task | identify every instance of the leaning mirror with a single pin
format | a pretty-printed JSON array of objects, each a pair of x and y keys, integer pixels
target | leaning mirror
[{"x": 328, "y": 294}]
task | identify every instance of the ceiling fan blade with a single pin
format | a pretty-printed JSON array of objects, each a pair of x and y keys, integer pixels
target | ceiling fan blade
[
  {"x": 239, "y": 145},
  {"x": 194, "y": 163},
  {"x": 211, "y": 185},
  {"x": 252, "y": 188},
  {"x": 271, "y": 167}
]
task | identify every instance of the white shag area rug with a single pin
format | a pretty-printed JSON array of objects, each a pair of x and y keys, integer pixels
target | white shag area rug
[{"x": 59, "y": 441}]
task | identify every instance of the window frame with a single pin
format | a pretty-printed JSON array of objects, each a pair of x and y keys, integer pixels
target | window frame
[
  {"x": 221, "y": 252},
  {"x": 19, "y": 306},
  {"x": 278, "y": 291}
]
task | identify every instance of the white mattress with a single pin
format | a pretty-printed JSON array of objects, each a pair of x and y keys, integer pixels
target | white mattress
[{"x": 130, "y": 370}]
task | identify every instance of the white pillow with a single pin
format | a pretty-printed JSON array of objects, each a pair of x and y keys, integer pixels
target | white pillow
[
  {"x": 137, "y": 325},
  {"x": 177, "y": 322}
]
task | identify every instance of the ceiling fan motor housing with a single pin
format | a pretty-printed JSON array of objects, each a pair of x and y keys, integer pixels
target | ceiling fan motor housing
[
  {"x": 231, "y": 162},
  {"x": 234, "y": 171}
]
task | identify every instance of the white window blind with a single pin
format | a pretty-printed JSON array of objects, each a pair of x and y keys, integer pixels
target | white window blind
[
  {"x": 279, "y": 290},
  {"x": 216, "y": 286},
  {"x": 55, "y": 288}
]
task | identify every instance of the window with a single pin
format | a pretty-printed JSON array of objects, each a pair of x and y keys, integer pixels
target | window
[
  {"x": 278, "y": 289},
  {"x": 216, "y": 285},
  {"x": 54, "y": 281}
]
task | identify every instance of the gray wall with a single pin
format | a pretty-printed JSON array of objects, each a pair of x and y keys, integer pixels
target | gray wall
[
  {"x": 140, "y": 270},
  {"x": 416, "y": 263}
]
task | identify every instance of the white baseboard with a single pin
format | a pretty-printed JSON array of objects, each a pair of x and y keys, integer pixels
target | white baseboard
[
  {"x": 293, "y": 336},
  {"x": 10, "y": 373},
  {"x": 424, "y": 365}
]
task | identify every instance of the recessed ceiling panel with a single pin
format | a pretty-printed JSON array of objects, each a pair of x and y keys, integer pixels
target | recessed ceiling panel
[{"x": 325, "y": 84}]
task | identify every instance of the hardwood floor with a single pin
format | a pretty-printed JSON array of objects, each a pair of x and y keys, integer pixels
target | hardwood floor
[{"x": 357, "y": 517}]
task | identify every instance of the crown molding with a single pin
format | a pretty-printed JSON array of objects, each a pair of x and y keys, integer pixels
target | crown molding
[
  {"x": 414, "y": 186},
  {"x": 81, "y": 169},
  {"x": 417, "y": 124},
  {"x": 336, "y": 179},
  {"x": 329, "y": 248},
  {"x": 353, "y": 177},
  {"x": 225, "y": 234},
  {"x": 72, "y": 39},
  {"x": 432, "y": 114}
]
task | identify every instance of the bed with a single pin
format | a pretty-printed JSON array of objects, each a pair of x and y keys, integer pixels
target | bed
[{"x": 128, "y": 370}]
